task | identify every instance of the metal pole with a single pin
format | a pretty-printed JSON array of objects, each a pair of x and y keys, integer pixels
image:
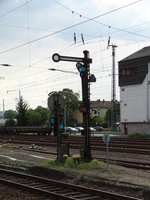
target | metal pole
[
  {"x": 19, "y": 94},
  {"x": 65, "y": 116},
  {"x": 86, "y": 106},
  {"x": 57, "y": 117},
  {"x": 107, "y": 156},
  {"x": 113, "y": 86},
  {"x": 3, "y": 108}
]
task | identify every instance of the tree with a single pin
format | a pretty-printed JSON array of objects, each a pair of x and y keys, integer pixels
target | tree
[
  {"x": 96, "y": 121},
  {"x": 10, "y": 114},
  {"x": 45, "y": 114},
  {"x": 109, "y": 114},
  {"x": 34, "y": 118},
  {"x": 71, "y": 102},
  {"x": 21, "y": 109},
  {"x": 38, "y": 117},
  {"x": 10, "y": 122}
]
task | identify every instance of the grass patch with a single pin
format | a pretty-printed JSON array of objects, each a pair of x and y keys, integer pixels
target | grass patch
[
  {"x": 79, "y": 179},
  {"x": 138, "y": 135},
  {"x": 49, "y": 162},
  {"x": 75, "y": 162}
]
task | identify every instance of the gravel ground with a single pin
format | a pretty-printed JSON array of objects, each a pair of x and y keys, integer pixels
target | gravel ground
[
  {"x": 8, "y": 193},
  {"x": 125, "y": 181}
]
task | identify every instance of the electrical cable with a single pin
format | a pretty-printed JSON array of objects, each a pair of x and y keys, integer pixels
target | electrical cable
[
  {"x": 118, "y": 29},
  {"x": 69, "y": 27},
  {"x": 14, "y": 9}
]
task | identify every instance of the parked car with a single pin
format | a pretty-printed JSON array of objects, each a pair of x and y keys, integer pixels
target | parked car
[
  {"x": 98, "y": 128},
  {"x": 80, "y": 130},
  {"x": 92, "y": 129},
  {"x": 70, "y": 130}
]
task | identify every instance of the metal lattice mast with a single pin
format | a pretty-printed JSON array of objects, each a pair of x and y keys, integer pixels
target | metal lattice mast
[
  {"x": 113, "y": 86},
  {"x": 113, "y": 92}
]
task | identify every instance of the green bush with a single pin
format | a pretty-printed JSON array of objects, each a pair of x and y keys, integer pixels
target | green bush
[
  {"x": 72, "y": 162},
  {"x": 10, "y": 122},
  {"x": 96, "y": 164},
  {"x": 49, "y": 162},
  {"x": 76, "y": 163},
  {"x": 138, "y": 135}
]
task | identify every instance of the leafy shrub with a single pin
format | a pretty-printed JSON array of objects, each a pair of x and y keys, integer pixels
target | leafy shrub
[
  {"x": 76, "y": 163},
  {"x": 138, "y": 135},
  {"x": 49, "y": 162},
  {"x": 72, "y": 162},
  {"x": 10, "y": 122},
  {"x": 96, "y": 164}
]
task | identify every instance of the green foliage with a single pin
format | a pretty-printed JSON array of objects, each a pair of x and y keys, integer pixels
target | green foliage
[
  {"x": 95, "y": 121},
  {"x": 76, "y": 162},
  {"x": 79, "y": 179},
  {"x": 10, "y": 114},
  {"x": 34, "y": 118},
  {"x": 21, "y": 109},
  {"x": 138, "y": 135},
  {"x": 10, "y": 122},
  {"x": 70, "y": 163},
  {"x": 31, "y": 117},
  {"x": 95, "y": 164},
  {"x": 38, "y": 116},
  {"x": 108, "y": 117},
  {"x": 71, "y": 102},
  {"x": 49, "y": 162},
  {"x": 45, "y": 114}
]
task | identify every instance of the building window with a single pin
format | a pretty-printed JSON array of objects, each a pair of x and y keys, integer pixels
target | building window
[{"x": 129, "y": 71}]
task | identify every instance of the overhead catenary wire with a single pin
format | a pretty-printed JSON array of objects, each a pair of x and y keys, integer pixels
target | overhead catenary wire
[
  {"x": 69, "y": 27},
  {"x": 28, "y": 32},
  {"x": 41, "y": 60},
  {"x": 14, "y": 9},
  {"x": 62, "y": 50},
  {"x": 106, "y": 25}
]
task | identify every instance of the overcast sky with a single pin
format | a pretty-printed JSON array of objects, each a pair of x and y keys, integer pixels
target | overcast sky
[{"x": 31, "y": 31}]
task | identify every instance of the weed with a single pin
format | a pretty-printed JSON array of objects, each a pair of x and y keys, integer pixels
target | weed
[
  {"x": 49, "y": 162},
  {"x": 79, "y": 179},
  {"x": 70, "y": 163},
  {"x": 75, "y": 162},
  {"x": 138, "y": 135}
]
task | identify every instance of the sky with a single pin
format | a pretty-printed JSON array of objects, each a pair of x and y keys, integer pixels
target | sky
[{"x": 31, "y": 31}]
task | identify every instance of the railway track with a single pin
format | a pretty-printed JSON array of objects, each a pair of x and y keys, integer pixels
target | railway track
[
  {"x": 122, "y": 145},
  {"x": 117, "y": 141},
  {"x": 99, "y": 146},
  {"x": 125, "y": 163},
  {"x": 56, "y": 189}
]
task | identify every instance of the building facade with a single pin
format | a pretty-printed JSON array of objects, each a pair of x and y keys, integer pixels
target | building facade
[
  {"x": 97, "y": 108},
  {"x": 134, "y": 82}
]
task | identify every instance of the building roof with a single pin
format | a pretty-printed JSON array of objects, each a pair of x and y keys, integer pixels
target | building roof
[
  {"x": 145, "y": 52},
  {"x": 100, "y": 104}
]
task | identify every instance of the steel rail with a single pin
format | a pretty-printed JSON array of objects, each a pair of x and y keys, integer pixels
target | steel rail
[
  {"x": 139, "y": 148},
  {"x": 57, "y": 189},
  {"x": 40, "y": 141},
  {"x": 124, "y": 163}
]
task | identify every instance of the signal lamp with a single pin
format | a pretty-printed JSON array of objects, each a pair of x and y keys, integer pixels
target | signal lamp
[
  {"x": 52, "y": 120},
  {"x": 80, "y": 67},
  {"x": 81, "y": 108},
  {"x": 61, "y": 126}
]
